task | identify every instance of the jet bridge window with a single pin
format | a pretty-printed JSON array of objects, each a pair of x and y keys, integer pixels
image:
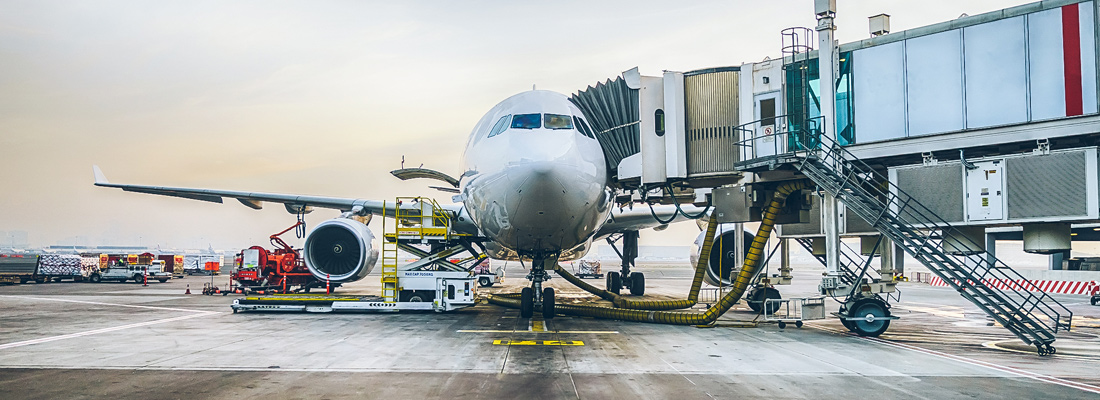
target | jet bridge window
[
  {"x": 583, "y": 127},
  {"x": 500, "y": 126},
  {"x": 527, "y": 121},
  {"x": 557, "y": 121}
]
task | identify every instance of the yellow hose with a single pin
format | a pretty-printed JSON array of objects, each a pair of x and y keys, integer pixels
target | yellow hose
[
  {"x": 623, "y": 302},
  {"x": 748, "y": 270}
]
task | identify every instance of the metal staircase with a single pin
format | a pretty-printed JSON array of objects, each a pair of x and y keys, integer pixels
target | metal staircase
[
  {"x": 847, "y": 266},
  {"x": 1025, "y": 310}
]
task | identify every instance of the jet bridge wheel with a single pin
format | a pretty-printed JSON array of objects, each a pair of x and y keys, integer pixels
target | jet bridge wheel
[
  {"x": 868, "y": 312},
  {"x": 758, "y": 297},
  {"x": 847, "y": 324},
  {"x": 526, "y": 302},
  {"x": 637, "y": 284},
  {"x": 548, "y": 303}
]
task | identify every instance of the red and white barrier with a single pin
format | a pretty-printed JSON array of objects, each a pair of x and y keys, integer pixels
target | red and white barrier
[{"x": 1060, "y": 287}]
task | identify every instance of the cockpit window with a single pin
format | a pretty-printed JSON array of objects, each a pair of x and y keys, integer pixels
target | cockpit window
[
  {"x": 527, "y": 121},
  {"x": 557, "y": 121},
  {"x": 581, "y": 126},
  {"x": 500, "y": 126}
]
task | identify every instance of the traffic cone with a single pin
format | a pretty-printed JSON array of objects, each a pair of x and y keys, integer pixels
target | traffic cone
[{"x": 188, "y": 289}]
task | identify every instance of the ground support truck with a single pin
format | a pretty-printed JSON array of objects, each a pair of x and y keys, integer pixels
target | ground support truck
[
  {"x": 139, "y": 273},
  {"x": 19, "y": 268},
  {"x": 60, "y": 266},
  {"x": 418, "y": 290},
  {"x": 486, "y": 276}
]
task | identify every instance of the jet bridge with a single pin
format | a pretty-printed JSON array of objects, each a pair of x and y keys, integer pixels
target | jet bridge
[{"x": 678, "y": 128}]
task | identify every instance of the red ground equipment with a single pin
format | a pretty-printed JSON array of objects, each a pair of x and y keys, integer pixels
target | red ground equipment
[{"x": 279, "y": 271}]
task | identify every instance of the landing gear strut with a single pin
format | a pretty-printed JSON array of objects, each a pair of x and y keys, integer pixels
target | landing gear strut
[
  {"x": 634, "y": 281},
  {"x": 536, "y": 296}
]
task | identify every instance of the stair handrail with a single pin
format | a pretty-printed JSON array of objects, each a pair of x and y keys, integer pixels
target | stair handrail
[
  {"x": 915, "y": 217},
  {"x": 831, "y": 153}
]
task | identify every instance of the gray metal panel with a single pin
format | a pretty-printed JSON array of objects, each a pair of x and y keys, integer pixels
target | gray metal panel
[
  {"x": 934, "y": 83},
  {"x": 811, "y": 228},
  {"x": 937, "y": 187},
  {"x": 996, "y": 73},
  {"x": 878, "y": 74},
  {"x": 612, "y": 109},
  {"x": 1088, "y": 57},
  {"x": 1051, "y": 185},
  {"x": 1048, "y": 86},
  {"x": 711, "y": 102},
  {"x": 853, "y": 223}
]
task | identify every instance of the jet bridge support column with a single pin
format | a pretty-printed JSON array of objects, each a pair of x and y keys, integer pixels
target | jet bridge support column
[{"x": 827, "y": 67}]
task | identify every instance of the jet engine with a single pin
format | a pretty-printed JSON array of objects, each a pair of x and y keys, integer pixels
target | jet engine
[
  {"x": 340, "y": 250},
  {"x": 722, "y": 265}
]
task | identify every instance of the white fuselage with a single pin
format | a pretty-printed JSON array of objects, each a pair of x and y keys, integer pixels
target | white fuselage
[{"x": 534, "y": 184}]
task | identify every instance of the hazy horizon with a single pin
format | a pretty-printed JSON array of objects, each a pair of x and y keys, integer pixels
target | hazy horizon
[{"x": 319, "y": 98}]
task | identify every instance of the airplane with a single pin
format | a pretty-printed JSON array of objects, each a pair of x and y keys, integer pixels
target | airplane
[{"x": 535, "y": 184}]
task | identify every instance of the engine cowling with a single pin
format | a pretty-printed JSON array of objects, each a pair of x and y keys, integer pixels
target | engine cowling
[
  {"x": 722, "y": 265},
  {"x": 341, "y": 250}
]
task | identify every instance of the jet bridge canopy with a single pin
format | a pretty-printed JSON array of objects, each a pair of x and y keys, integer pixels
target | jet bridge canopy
[{"x": 674, "y": 128}]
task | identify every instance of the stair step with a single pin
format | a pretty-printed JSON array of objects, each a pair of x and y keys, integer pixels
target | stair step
[{"x": 853, "y": 183}]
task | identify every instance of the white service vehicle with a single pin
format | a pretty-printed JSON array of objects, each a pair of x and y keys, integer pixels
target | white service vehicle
[
  {"x": 140, "y": 273},
  {"x": 418, "y": 290}
]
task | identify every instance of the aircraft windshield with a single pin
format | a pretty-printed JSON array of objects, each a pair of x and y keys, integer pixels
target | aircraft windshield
[
  {"x": 527, "y": 121},
  {"x": 500, "y": 126},
  {"x": 557, "y": 121}
]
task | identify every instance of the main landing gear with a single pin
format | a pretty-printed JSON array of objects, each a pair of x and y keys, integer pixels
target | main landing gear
[
  {"x": 537, "y": 296},
  {"x": 634, "y": 281}
]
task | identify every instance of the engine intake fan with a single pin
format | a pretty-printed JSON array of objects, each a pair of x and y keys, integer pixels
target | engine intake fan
[
  {"x": 722, "y": 264},
  {"x": 340, "y": 250}
]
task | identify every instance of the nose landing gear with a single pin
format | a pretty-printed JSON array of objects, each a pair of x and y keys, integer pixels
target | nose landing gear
[{"x": 536, "y": 296}]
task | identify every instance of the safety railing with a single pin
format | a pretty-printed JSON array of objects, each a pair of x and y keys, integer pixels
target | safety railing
[{"x": 1026, "y": 310}]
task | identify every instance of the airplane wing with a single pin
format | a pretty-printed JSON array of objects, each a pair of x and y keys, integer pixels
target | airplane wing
[
  {"x": 642, "y": 218},
  {"x": 255, "y": 200}
]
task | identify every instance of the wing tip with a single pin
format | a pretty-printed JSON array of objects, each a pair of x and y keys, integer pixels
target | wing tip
[{"x": 100, "y": 179}]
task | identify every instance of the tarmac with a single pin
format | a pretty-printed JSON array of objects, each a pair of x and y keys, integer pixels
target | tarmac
[{"x": 128, "y": 341}]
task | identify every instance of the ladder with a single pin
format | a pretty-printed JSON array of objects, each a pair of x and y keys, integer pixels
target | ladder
[
  {"x": 1025, "y": 310},
  {"x": 389, "y": 256}
]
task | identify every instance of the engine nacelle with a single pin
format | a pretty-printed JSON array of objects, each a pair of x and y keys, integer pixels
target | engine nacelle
[
  {"x": 722, "y": 265},
  {"x": 340, "y": 250}
]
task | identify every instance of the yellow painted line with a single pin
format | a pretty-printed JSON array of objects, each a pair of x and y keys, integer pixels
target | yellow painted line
[
  {"x": 511, "y": 331},
  {"x": 509, "y": 342},
  {"x": 538, "y": 326}
]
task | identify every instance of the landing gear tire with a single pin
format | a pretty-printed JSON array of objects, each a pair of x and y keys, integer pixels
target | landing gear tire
[
  {"x": 548, "y": 303},
  {"x": 637, "y": 284},
  {"x": 485, "y": 282},
  {"x": 614, "y": 282},
  {"x": 526, "y": 302},
  {"x": 868, "y": 312},
  {"x": 757, "y": 300}
]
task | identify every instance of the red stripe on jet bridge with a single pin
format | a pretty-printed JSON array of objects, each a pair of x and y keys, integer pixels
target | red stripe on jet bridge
[{"x": 1071, "y": 59}]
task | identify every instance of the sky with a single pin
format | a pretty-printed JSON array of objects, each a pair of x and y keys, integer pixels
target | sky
[{"x": 319, "y": 97}]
